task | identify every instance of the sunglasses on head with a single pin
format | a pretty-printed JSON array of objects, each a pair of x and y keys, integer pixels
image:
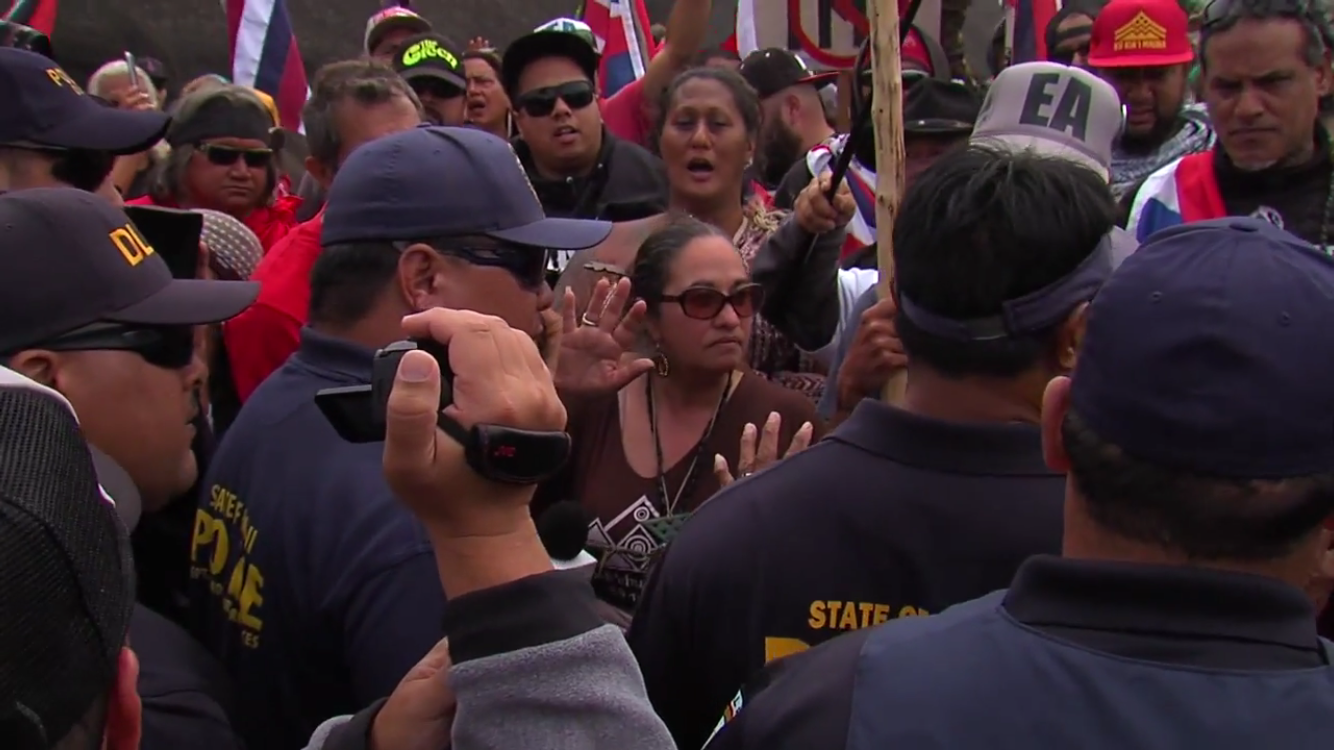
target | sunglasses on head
[
  {"x": 225, "y": 156},
  {"x": 704, "y": 303},
  {"x": 542, "y": 102},
  {"x": 168, "y": 347}
]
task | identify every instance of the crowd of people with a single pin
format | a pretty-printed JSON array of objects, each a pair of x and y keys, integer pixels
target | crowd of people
[{"x": 636, "y": 486}]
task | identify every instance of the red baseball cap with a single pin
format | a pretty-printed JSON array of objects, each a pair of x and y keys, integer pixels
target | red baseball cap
[{"x": 1140, "y": 34}]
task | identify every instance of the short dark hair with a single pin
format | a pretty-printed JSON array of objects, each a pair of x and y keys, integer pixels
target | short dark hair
[
  {"x": 653, "y": 262},
  {"x": 1205, "y": 518},
  {"x": 487, "y": 56},
  {"x": 365, "y": 81},
  {"x": 1223, "y": 15},
  {"x": 349, "y": 277},
  {"x": 990, "y": 225}
]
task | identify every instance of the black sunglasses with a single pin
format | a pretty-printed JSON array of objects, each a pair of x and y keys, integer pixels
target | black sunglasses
[
  {"x": 704, "y": 303},
  {"x": 168, "y": 347},
  {"x": 225, "y": 156},
  {"x": 528, "y": 265},
  {"x": 542, "y": 102}
]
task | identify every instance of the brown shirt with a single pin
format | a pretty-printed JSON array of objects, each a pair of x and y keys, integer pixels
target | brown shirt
[{"x": 620, "y": 501}]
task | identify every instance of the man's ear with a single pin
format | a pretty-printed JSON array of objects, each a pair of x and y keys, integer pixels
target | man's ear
[
  {"x": 37, "y": 365},
  {"x": 1069, "y": 338},
  {"x": 421, "y": 273},
  {"x": 125, "y": 711},
  {"x": 318, "y": 172},
  {"x": 1055, "y": 404}
]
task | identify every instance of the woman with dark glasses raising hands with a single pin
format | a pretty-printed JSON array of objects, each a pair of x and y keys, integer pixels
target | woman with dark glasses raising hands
[
  {"x": 222, "y": 158},
  {"x": 644, "y": 458}
]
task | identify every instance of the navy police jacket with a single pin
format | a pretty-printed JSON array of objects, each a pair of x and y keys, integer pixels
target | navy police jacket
[{"x": 311, "y": 584}]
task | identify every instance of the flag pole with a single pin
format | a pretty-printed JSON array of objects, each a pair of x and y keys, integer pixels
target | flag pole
[{"x": 887, "y": 118}]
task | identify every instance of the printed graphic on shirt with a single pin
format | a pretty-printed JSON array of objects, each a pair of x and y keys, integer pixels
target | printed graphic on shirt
[
  {"x": 626, "y": 550},
  {"x": 827, "y": 618},
  {"x": 729, "y": 713},
  {"x": 224, "y": 539},
  {"x": 1271, "y": 215}
]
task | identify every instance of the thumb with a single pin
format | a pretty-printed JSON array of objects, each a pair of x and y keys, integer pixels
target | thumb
[
  {"x": 410, "y": 418},
  {"x": 431, "y": 664}
]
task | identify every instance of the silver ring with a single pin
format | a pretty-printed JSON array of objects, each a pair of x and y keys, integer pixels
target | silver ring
[{"x": 584, "y": 320}]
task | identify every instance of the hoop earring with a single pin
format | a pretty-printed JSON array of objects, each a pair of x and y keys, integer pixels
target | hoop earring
[{"x": 660, "y": 364}]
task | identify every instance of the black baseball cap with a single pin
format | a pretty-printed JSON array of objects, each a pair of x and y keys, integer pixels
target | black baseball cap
[
  {"x": 69, "y": 258},
  {"x": 443, "y": 181},
  {"x": 771, "y": 70},
  {"x": 548, "y": 41},
  {"x": 430, "y": 56},
  {"x": 66, "y": 571},
  {"x": 932, "y": 107},
  {"x": 45, "y": 107},
  {"x": 1209, "y": 350}
]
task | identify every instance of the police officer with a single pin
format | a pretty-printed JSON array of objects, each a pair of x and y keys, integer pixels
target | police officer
[{"x": 1196, "y": 435}]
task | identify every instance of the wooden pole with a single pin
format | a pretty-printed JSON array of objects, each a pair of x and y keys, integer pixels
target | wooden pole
[{"x": 887, "y": 118}]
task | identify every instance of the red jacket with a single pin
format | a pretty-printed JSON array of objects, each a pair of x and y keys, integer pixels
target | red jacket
[
  {"x": 269, "y": 223},
  {"x": 263, "y": 336}
]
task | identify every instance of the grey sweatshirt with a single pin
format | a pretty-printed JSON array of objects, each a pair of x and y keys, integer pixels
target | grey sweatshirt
[{"x": 533, "y": 667}]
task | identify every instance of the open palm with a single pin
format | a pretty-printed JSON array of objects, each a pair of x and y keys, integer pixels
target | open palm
[{"x": 596, "y": 353}]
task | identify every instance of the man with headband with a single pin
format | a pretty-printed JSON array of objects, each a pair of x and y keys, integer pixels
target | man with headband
[{"x": 222, "y": 158}]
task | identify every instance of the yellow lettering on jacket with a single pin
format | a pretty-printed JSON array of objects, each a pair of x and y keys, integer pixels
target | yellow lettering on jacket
[
  {"x": 834, "y": 614},
  {"x": 220, "y": 556}
]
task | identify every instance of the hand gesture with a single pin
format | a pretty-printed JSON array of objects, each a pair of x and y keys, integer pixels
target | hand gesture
[
  {"x": 876, "y": 354},
  {"x": 816, "y": 214},
  {"x": 499, "y": 378},
  {"x": 134, "y": 98},
  {"x": 420, "y": 712},
  {"x": 752, "y": 458},
  {"x": 478, "y": 43},
  {"x": 596, "y": 350}
]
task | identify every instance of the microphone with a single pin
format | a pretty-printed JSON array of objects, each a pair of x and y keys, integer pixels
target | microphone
[{"x": 563, "y": 529}]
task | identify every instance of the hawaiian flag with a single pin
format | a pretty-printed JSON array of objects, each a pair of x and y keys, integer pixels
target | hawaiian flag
[
  {"x": 265, "y": 55},
  {"x": 620, "y": 28},
  {"x": 1026, "y": 23},
  {"x": 37, "y": 14}
]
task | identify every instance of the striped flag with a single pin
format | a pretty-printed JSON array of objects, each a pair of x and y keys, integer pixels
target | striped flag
[
  {"x": 1026, "y": 28},
  {"x": 620, "y": 29},
  {"x": 37, "y": 14},
  {"x": 265, "y": 55}
]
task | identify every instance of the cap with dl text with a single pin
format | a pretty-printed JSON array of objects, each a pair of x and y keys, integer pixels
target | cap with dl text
[
  {"x": 1209, "y": 350},
  {"x": 45, "y": 107},
  {"x": 66, "y": 573},
  {"x": 429, "y": 57},
  {"x": 1052, "y": 109},
  {"x": 439, "y": 182},
  {"x": 68, "y": 258},
  {"x": 1140, "y": 34},
  {"x": 771, "y": 70}
]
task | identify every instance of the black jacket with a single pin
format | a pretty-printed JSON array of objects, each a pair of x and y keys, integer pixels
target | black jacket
[
  {"x": 186, "y": 695},
  {"x": 628, "y": 183}
]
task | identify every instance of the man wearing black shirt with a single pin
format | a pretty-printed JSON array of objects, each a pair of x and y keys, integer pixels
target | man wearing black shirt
[
  {"x": 901, "y": 511},
  {"x": 1196, "y": 435}
]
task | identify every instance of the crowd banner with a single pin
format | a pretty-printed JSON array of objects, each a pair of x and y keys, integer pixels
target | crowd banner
[
  {"x": 887, "y": 117},
  {"x": 828, "y": 32}
]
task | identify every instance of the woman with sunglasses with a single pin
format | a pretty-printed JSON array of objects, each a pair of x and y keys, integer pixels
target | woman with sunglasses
[
  {"x": 707, "y": 136},
  {"x": 644, "y": 458},
  {"x": 222, "y": 158}
]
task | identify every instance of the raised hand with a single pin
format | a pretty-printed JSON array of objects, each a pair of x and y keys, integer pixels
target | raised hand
[
  {"x": 597, "y": 349},
  {"x": 753, "y": 457}
]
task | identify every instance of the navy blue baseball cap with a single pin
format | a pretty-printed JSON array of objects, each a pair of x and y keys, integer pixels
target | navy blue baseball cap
[
  {"x": 1211, "y": 349},
  {"x": 44, "y": 107},
  {"x": 433, "y": 182}
]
